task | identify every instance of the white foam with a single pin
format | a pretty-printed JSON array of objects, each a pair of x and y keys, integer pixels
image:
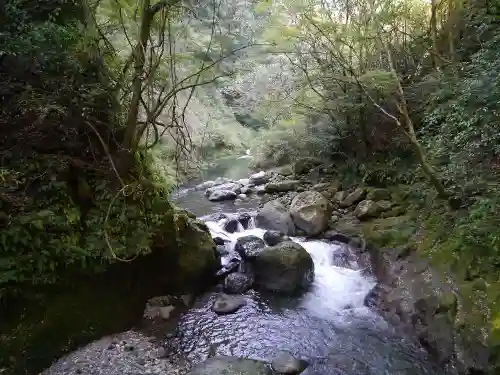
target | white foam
[{"x": 335, "y": 289}]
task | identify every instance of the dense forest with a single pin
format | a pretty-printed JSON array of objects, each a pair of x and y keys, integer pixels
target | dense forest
[{"x": 107, "y": 105}]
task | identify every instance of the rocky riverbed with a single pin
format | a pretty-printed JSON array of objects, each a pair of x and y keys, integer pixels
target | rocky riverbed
[{"x": 300, "y": 289}]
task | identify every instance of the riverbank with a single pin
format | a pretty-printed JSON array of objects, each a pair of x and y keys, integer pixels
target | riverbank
[{"x": 425, "y": 287}]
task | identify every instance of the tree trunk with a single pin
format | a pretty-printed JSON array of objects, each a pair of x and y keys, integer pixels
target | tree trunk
[
  {"x": 139, "y": 52},
  {"x": 434, "y": 47}
]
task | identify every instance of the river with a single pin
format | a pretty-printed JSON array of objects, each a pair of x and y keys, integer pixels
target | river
[{"x": 328, "y": 326}]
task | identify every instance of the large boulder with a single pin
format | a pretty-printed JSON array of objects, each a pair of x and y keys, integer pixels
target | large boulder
[
  {"x": 249, "y": 246},
  {"x": 230, "y": 366},
  {"x": 284, "y": 268},
  {"x": 310, "y": 212},
  {"x": 354, "y": 197},
  {"x": 304, "y": 165},
  {"x": 275, "y": 216},
  {"x": 282, "y": 186}
]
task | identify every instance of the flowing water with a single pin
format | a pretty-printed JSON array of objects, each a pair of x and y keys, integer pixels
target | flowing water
[{"x": 328, "y": 325}]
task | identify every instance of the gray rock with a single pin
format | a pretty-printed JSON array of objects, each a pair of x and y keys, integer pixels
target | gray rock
[
  {"x": 282, "y": 186},
  {"x": 310, "y": 212},
  {"x": 242, "y": 196},
  {"x": 274, "y": 237},
  {"x": 260, "y": 178},
  {"x": 275, "y": 216},
  {"x": 226, "y": 304},
  {"x": 244, "y": 181},
  {"x": 285, "y": 363},
  {"x": 229, "y": 186},
  {"x": 352, "y": 198},
  {"x": 367, "y": 209},
  {"x": 249, "y": 246},
  {"x": 260, "y": 190},
  {"x": 322, "y": 186},
  {"x": 284, "y": 268},
  {"x": 378, "y": 194},
  {"x": 339, "y": 196},
  {"x": 237, "y": 282},
  {"x": 222, "y": 195},
  {"x": 205, "y": 185},
  {"x": 223, "y": 365}
]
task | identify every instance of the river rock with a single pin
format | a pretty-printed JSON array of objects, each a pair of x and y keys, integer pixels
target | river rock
[
  {"x": 223, "y": 365},
  {"x": 284, "y": 268},
  {"x": 249, "y": 246},
  {"x": 244, "y": 181},
  {"x": 228, "y": 186},
  {"x": 354, "y": 197},
  {"x": 378, "y": 194},
  {"x": 226, "y": 304},
  {"x": 322, "y": 186},
  {"x": 339, "y": 196},
  {"x": 285, "y": 363},
  {"x": 310, "y": 212},
  {"x": 222, "y": 195},
  {"x": 274, "y": 237},
  {"x": 237, "y": 282},
  {"x": 260, "y": 178},
  {"x": 282, "y": 186},
  {"x": 275, "y": 216},
  {"x": 205, "y": 185},
  {"x": 245, "y": 219}
]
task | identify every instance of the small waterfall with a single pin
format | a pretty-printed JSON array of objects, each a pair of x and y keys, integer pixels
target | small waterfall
[{"x": 335, "y": 289}]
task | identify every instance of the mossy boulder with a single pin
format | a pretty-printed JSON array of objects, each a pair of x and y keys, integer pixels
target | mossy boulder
[{"x": 284, "y": 268}]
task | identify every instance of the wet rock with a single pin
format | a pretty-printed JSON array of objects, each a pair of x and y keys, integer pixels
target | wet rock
[
  {"x": 221, "y": 250},
  {"x": 222, "y": 195},
  {"x": 378, "y": 194},
  {"x": 244, "y": 181},
  {"x": 285, "y": 363},
  {"x": 219, "y": 241},
  {"x": 226, "y": 304},
  {"x": 231, "y": 225},
  {"x": 282, "y": 186},
  {"x": 260, "y": 190},
  {"x": 238, "y": 282},
  {"x": 275, "y": 216},
  {"x": 310, "y": 212},
  {"x": 335, "y": 236},
  {"x": 260, "y": 178},
  {"x": 223, "y": 365},
  {"x": 230, "y": 267},
  {"x": 249, "y": 246},
  {"x": 352, "y": 198},
  {"x": 246, "y": 190},
  {"x": 274, "y": 237},
  {"x": 284, "y": 268},
  {"x": 245, "y": 219},
  {"x": 242, "y": 197}
]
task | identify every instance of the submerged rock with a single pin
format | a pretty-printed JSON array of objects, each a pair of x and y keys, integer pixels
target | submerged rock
[
  {"x": 226, "y": 304},
  {"x": 230, "y": 366},
  {"x": 237, "y": 282},
  {"x": 285, "y": 363},
  {"x": 275, "y": 216},
  {"x": 310, "y": 212},
  {"x": 285, "y": 268}
]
